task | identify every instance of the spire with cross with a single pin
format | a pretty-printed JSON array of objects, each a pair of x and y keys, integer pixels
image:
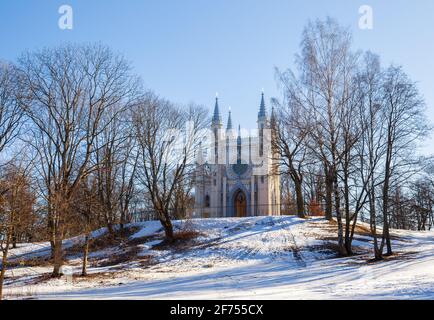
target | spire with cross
[{"x": 216, "y": 119}]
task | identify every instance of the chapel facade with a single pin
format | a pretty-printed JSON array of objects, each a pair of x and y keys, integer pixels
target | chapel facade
[{"x": 237, "y": 173}]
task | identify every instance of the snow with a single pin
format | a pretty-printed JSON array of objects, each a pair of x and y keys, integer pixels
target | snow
[
  {"x": 249, "y": 258},
  {"x": 146, "y": 229}
]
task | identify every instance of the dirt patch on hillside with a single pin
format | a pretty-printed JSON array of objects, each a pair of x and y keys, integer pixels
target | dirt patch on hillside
[
  {"x": 107, "y": 240},
  {"x": 183, "y": 240}
]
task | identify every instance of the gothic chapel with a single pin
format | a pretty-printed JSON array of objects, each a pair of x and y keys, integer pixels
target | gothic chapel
[{"x": 240, "y": 179}]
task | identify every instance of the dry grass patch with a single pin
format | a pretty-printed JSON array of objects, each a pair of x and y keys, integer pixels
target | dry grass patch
[
  {"x": 361, "y": 230},
  {"x": 29, "y": 262},
  {"x": 129, "y": 254},
  {"x": 184, "y": 239},
  {"x": 105, "y": 241},
  {"x": 395, "y": 256}
]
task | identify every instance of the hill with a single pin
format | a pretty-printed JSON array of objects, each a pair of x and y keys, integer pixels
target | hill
[{"x": 250, "y": 258}]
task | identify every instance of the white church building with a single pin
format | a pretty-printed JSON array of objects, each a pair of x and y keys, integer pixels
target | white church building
[{"x": 236, "y": 173}]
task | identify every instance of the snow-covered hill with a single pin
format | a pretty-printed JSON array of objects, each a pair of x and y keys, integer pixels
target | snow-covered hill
[{"x": 250, "y": 258}]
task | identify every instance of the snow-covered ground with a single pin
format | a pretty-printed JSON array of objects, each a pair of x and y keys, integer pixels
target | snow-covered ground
[{"x": 249, "y": 258}]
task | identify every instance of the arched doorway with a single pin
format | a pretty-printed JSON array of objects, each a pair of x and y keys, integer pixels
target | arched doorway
[{"x": 240, "y": 204}]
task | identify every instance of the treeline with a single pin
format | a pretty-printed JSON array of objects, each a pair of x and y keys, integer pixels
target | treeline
[
  {"x": 84, "y": 146},
  {"x": 347, "y": 132}
]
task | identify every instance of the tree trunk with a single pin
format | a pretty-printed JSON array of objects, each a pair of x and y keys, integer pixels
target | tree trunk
[
  {"x": 52, "y": 235},
  {"x": 387, "y": 237},
  {"x": 58, "y": 259},
  {"x": 168, "y": 228},
  {"x": 122, "y": 221},
  {"x": 4, "y": 265},
  {"x": 3, "y": 271},
  {"x": 110, "y": 229},
  {"x": 109, "y": 221},
  {"x": 14, "y": 238},
  {"x": 373, "y": 223},
  {"x": 85, "y": 255},
  {"x": 342, "y": 250},
  {"x": 328, "y": 196},
  {"x": 348, "y": 237},
  {"x": 300, "y": 200}
]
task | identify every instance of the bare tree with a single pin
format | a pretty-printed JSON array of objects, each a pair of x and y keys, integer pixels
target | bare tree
[
  {"x": 87, "y": 207},
  {"x": 370, "y": 147},
  {"x": 326, "y": 67},
  {"x": 392, "y": 121},
  {"x": 115, "y": 166},
  {"x": 68, "y": 91},
  {"x": 16, "y": 210},
  {"x": 289, "y": 139},
  {"x": 404, "y": 125},
  {"x": 10, "y": 186},
  {"x": 422, "y": 204},
  {"x": 128, "y": 190},
  {"x": 167, "y": 149},
  {"x": 359, "y": 121},
  {"x": 10, "y": 110}
]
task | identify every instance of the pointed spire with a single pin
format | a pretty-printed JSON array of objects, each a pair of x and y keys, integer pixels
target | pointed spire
[
  {"x": 273, "y": 121},
  {"x": 216, "y": 119},
  {"x": 229, "y": 125},
  {"x": 262, "y": 111},
  {"x": 239, "y": 142},
  {"x": 239, "y": 135},
  {"x": 200, "y": 154},
  {"x": 273, "y": 114}
]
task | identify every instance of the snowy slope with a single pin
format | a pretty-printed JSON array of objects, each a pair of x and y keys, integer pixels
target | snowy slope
[{"x": 250, "y": 258}]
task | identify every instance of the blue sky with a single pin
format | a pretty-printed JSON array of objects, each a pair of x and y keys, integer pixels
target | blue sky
[{"x": 188, "y": 50}]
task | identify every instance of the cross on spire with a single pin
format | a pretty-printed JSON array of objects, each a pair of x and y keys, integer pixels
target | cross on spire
[
  {"x": 216, "y": 119},
  {"x": 229, "y": 125},
  {"x": 262, "y": 110}
]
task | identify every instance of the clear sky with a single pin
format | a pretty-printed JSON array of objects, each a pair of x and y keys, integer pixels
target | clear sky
[{"x": 187, "y": 50}]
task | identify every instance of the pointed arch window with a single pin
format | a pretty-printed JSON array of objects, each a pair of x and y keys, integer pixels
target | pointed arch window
[{"x": 207, "y": 201}]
